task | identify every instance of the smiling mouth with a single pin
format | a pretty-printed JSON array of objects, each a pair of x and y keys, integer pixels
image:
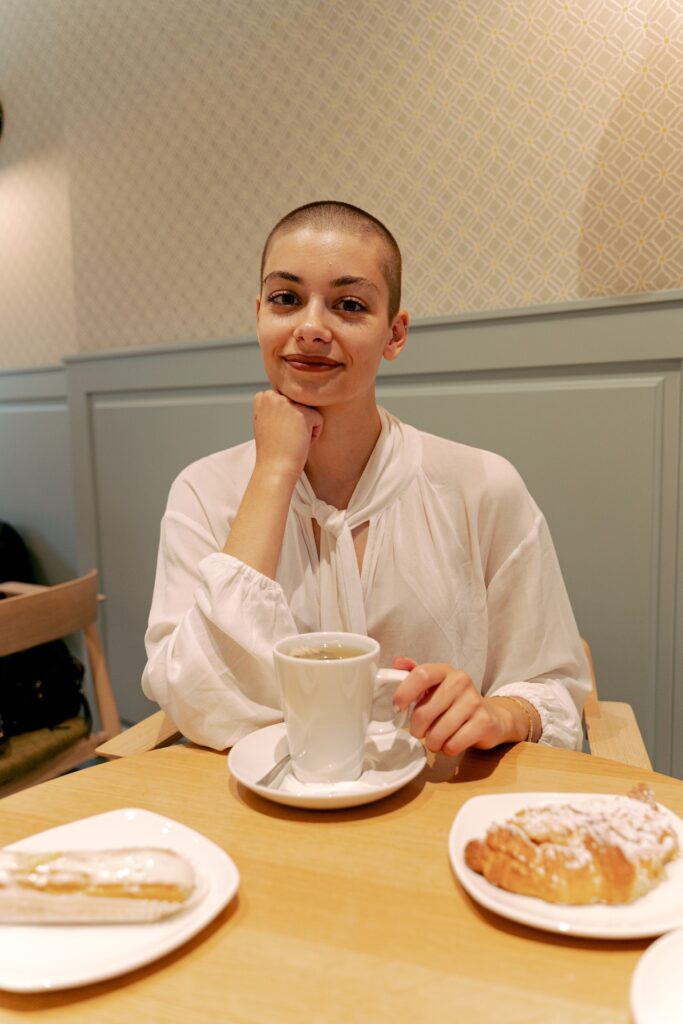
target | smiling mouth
[{"x": 312, "y": 364}]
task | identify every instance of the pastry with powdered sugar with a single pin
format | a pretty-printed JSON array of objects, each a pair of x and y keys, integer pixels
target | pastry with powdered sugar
[{"x": 609, "y": 849}]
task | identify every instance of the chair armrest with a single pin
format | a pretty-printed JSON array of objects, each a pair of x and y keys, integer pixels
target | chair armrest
[
  {"x": 15, "y": 589},
  {"x": 157, "y": 730},
  {"x": 612, "y": 732}
]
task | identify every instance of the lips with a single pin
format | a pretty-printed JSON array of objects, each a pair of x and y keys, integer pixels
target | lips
[{"x": 312, "y": 364}]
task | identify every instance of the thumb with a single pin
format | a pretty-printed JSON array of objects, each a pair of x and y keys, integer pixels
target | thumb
[
  {"x": 315, "y": 422},
  {"x": 407, "y": 664}
]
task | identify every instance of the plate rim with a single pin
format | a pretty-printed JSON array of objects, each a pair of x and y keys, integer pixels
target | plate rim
[
  {"x": 484, "y": 893},
  {"x": 331, "y": 800},
  {"x": 210, "y": 904},
  {"x": 638, "y": 978}
]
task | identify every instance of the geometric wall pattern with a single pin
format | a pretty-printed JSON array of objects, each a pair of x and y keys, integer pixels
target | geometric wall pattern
[{"x": 523, "y": 153}]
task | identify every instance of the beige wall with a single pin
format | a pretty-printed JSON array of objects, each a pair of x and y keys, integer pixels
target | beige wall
[{"x": 524, "y": 153}]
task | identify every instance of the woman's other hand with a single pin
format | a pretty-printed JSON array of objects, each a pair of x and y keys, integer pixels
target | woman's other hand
[{"x": 451, "y": 715}]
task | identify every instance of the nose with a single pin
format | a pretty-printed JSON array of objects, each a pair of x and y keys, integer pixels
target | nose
[{"x": 312, "y": 326}]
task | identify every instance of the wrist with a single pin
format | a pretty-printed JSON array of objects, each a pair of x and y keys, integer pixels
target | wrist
[
  {"x": 525, "y": 720},
  {"x": 275, "y": 475}
]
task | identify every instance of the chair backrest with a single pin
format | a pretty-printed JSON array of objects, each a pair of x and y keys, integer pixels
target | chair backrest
[
  {"x": 33, "y": 615},
  {"x": 612, "y": 729}
]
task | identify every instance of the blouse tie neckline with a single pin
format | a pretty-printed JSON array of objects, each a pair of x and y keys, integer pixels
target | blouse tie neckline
[{"x": 392, "y": 465}]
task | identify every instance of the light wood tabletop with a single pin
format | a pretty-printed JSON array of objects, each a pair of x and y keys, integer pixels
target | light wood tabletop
[{"x": 342, "y": 916}]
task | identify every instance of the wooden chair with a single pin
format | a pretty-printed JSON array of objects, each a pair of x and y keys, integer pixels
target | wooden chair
[
  {"x": 34, "y": 615},
  {"x": 611, "y": 728},
  {"x": 157, "y": 730}
]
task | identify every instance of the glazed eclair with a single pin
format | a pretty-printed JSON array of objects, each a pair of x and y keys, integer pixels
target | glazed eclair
[{"x": 93, "y": 886}]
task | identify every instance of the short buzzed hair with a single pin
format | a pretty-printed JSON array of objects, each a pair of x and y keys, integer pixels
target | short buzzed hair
[{"x": 328, "y": 213}]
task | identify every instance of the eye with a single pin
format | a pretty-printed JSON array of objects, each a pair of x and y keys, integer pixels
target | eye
[
  {"x": 283, "y": 298},
  {"x": 349, "y": 305}
]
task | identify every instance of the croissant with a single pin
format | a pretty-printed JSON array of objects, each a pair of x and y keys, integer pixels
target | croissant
[
  {"x": 611, "y": 849},
  {"x": 93, "y": 886}
]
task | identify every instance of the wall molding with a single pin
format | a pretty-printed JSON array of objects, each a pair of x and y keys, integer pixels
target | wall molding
[{"x": 584, "y": 398}]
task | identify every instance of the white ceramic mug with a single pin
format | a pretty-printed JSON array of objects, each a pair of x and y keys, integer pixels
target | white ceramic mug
[{"x": 330, "y": 706}]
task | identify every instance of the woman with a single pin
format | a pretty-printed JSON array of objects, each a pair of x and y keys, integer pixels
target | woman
[{"x": 339, "y": 516}]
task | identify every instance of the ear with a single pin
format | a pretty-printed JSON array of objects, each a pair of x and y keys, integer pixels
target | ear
[
  {"x": 399, "y": 336},
  {"x": 258, "y": 305}
]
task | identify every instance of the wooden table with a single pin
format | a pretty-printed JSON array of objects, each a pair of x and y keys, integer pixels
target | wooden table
[{"x": 342, "y": 916}]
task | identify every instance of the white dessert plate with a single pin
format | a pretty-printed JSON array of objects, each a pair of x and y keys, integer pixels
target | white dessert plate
[
  {"x": 657, "y": 985},
  {"x": 42, "y": 958},
  {"x": 659, "y": 911},
  {"x": 392, "y": 758}
]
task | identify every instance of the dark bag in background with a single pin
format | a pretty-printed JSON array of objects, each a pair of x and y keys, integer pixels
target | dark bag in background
[
  {"x": 42, "y": 686},
  {"x": 15, "y": 558}
]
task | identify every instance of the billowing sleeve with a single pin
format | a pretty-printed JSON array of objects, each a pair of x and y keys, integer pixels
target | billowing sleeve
[
  {"x": 534, "y": 647},
  {"x": 212, "y": 626}
]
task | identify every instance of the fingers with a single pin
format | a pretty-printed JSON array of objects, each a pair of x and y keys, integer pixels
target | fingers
[
  {"x": 422, "y": 678},
  {"x": 453, "y": 733},
  {"x": 444, "y": 706},
  {"x": 284, "y": 431},
  {"x": 450, "y": 714},
  {"x": 310, "y": 413},
  {"x": 406, "y": 664}
]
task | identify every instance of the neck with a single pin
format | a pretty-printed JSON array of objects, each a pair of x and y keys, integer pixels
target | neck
[{"x": 337, "y": 459}]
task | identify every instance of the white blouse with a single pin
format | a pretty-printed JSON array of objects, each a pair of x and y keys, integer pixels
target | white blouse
[{"x": 459, "y": 567}]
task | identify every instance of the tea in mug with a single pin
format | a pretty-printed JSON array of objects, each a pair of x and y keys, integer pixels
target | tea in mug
[{"x": 326, "y": 652}]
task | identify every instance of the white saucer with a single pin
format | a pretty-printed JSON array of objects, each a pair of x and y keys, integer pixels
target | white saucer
[
  {"x": 656, "y": 986},
  {"x": 395, "y": 759}
]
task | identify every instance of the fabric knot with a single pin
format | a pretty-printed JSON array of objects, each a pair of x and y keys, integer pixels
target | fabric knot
[
  {"x": 328, "y": 517},
  {"x": 393, "y": 463}
]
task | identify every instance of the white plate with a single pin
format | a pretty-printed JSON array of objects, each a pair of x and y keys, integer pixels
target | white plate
[
  {"x": 396, "y": 758},
  {"x": 40, "y": 958},
  {"x": 657, "y": 985},
  {"x": 660, "y": 910}
]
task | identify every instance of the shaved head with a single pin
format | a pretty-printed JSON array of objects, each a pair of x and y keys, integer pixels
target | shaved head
[{"x": 328, "y": 214}]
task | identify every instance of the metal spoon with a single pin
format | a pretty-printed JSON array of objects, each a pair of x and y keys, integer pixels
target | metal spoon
[{"x": 275, "y": 773}]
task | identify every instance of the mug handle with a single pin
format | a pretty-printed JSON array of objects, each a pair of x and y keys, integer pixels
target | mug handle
[{"x": 384, "y": 717}]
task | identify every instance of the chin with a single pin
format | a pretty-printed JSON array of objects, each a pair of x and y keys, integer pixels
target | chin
[{"x": 305, "y": 394}]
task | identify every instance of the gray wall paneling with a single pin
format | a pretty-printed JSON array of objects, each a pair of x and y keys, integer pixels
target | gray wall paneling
[
  {"x": 36, "y": 477},
  {"x": 36, "y": 481},
  {"x": 137, "y": 420},
  {"x": 585, "y": 401}
]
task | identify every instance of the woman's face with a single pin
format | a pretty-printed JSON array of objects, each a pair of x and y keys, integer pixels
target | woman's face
[{"x": 322, "y": 316}]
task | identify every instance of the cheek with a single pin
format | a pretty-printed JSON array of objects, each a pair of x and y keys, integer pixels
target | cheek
[
  {"x": 268, "y": 357},
  {"x": 370, "y": 356},
  {"x": 266, "y": 339},
  {"x": 272, "y": 373}
]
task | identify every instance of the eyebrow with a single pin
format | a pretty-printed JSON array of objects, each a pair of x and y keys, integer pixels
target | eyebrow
[
  {"x": 342, "y": 282},
  {"x": 338, "y": 282},
  {"x": 284, "y": 274}
]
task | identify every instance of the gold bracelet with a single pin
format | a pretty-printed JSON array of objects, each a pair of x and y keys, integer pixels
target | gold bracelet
[{"x": 522, "y": 705}]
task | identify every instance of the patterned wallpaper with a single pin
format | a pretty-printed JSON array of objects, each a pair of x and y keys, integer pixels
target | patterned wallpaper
[
  {"x": 523, "y": 153},
  {"x": 37, "y": 314}
]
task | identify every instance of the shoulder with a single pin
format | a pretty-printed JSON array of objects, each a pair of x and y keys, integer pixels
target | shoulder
[
  {"x": 500, "y": 512},
  {"x": 476, "y": 474},
  {"x": 218, "y": 476}
]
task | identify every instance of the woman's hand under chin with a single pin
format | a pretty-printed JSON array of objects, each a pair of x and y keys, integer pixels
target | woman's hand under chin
[{"x": 284, "y": 432}]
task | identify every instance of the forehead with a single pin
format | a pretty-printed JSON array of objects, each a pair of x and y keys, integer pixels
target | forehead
[{"x": 334, "y": 252}]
